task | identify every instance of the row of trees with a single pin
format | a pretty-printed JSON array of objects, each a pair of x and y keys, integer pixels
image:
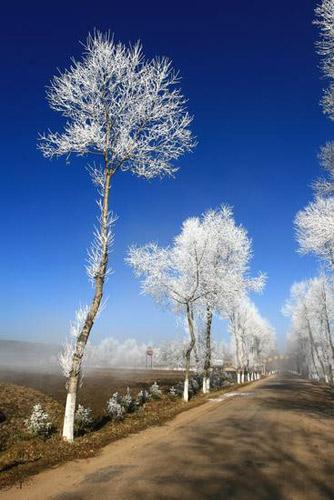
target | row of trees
[
  {"x": 202, "y": 274},
  {"x": 311, "y": 310},
  {"x": 253, "y": 339},
  {"x": 128, "y": 114},
  {"x": 310, "y": 305}
]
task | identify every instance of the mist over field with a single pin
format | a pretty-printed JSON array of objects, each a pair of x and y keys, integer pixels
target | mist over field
[
  {"x": 109, "y": 353},
  {"x": 19, "y": 355}
]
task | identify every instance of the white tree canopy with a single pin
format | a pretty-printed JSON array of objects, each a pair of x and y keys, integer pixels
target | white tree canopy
[
  {"x": 207, "y": 263},
  {"x": 122, "y": 106},
  {"x": 315, "y": 229},
  {"x": 252, "y": 336}
]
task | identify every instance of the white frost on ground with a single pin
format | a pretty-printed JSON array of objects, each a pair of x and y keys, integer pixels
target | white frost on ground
[{"x": 231, "y": 395}]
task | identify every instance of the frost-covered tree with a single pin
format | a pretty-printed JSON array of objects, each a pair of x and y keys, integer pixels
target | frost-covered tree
[
  {"x": 111, "y": 352},
  {"x": 311, "y": 311},
  {"x": 170, "y": 354},
  {"x": 315, "y": 223},
  {"x": 224, "y": 272},
  {"x": 325, "y": 45},
  {"x": 315, "y": 229},
  {"x": 127, "y": 113},
  {"x": 253, "y": 339},
  {"x": 206, "y": 267},
  {"x": 260, "y": 343},
  {"x": 238, "y": 309},
  {"x": 172, "y": 277}
]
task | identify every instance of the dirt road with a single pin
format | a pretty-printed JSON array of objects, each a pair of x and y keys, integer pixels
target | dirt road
[{"x": 276, "y": 441}]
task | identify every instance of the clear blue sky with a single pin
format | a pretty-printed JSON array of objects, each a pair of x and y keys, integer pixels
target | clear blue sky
[{"x": 251, "y": 75}]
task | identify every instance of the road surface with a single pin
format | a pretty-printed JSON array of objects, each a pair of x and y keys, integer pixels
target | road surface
[{"x": 274, "y": 440}]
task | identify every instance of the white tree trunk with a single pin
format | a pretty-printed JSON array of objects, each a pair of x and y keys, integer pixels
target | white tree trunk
[
  {"x": 207, "y": 358},
  {"x": 73, "y": 380},
  {"x": 238, "y": 378},
  {"x": 186, "y": 390},
  {"x": 206, "y": 385},
  {"x": 68, "y": 428},
  {"x": 248, "y": 377},
  {"x": 242, "y": 377}
]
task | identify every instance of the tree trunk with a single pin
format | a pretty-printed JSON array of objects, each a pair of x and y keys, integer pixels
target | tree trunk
[
  {"x": 188, "y": 352},
  {"x": 329, "y": 333},
  {"x": 237, "y": 347},
  {"x": 197, "y": 360},
  {"x": 314, "y": 363},
  {"x": 207, "y": 360},
  {"x": 315, "y": 348},
  {"x": 73, "y": 381}
]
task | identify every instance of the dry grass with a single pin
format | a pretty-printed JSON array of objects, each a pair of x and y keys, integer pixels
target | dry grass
[{"x": 22, "y": 455}]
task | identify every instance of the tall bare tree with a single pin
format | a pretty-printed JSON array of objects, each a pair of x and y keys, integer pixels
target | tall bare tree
[{"x": 127, "y": 112}]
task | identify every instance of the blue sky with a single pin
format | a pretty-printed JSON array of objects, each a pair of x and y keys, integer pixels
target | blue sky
[{"x": 251, "y": 75}]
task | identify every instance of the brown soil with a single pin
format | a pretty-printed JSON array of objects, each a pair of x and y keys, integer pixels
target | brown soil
[
  {"x": 98, "y": 385},
  {"x": 275, "y": 442}
]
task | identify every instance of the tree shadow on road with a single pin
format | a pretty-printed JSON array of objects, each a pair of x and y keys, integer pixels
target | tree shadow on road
[
  {"x": 266, "y": 450},
  {"x": 301, "y": 396}
]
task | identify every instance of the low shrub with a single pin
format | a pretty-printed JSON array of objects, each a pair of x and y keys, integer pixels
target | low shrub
[
  {"x": 83, "y": 420},
  {"x": 155, "y": 391},
  {"x": 218, "y": 379},
  {"x": 195, "y": 384},
  {"x": 38, "y": 423},
  {"x": 143, "y": 396},
  {"x": 114, "y": 408},
  {"x": 179, "y": 387},
  {"x": 128, "y": 403},
  {"x": 172, "y": 392}
]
